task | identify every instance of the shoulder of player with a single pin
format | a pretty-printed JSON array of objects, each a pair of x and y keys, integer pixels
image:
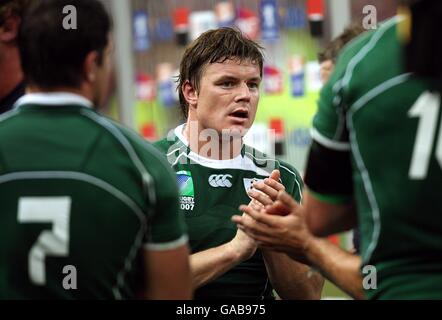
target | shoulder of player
[
  {"x": 289, "y": 174},
  {"x": 7, "y": 116},
  {"x": 162, "y": 145},
  {"x": 365, "y": 43},
  {"x": 288, "y": 169},
  {"x": 149, "y": 155},
  {"x": 141, "y": 145},
  {"x": 355, "y": 45},
  {"x": 261, "y": 159},
  {"x": 119, "y": 130}
]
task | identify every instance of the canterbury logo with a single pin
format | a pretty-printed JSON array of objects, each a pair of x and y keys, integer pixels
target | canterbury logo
[{"x": 220, "y": 180}]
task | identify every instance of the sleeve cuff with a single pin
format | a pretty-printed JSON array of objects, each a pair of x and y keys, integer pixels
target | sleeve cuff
[
  {"x": 329, "y": 143},
  {"x": 331, "y": 199},
  {"x": 167, "y": 245}
]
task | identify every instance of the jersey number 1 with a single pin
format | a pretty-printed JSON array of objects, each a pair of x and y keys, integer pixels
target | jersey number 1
[
  {"x": 55, "y": 210},
  {"x": 427, "y": 109}
]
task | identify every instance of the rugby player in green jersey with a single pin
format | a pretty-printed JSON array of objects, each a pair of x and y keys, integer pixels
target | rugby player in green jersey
[
  {"x": 88, "y": 209},
  {"x": 220, "y": 75},
  {"x": 339, "y": 266},
  {"x": 375, "y": 160}
]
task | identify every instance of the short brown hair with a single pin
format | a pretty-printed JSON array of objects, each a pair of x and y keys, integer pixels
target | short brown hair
[
  {"x": 332, "y": 50},
  {"x": 12, "y": 7},
  {"x": 214, "y": 46},
  {"x": 52, "y": 56}
]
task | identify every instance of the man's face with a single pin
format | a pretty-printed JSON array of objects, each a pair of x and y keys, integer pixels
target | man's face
[
  {"x": 326, "y": 68},
  {"x": 228, "y": 96},
  {"x": 103, "y": 74}
]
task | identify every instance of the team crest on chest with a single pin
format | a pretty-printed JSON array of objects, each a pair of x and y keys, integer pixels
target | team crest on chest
[{"x": 186, "y": 189}]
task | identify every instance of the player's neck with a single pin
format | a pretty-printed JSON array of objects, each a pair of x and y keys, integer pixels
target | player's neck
[
  {"x": 210, "y": 144},
  {"x": 10, "y": 70}
]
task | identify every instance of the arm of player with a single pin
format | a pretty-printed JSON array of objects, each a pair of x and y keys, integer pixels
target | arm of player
[
  {"x": 209, "y": 264},
  {"x": 289, "y": 234},
  {"x": 324, "y": 218},
  {"x": 168, "y": 274},
  {"x": 291, "y": 279},
  {"x": 339, "y": 266}
]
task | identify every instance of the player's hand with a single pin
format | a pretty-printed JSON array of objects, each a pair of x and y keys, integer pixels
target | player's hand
[
  {"x": 264, "y": 193},
  {"x": 242, "y": 244},
  {"x": 268, "y": 191},
  {"x": 288, "y": 234}
]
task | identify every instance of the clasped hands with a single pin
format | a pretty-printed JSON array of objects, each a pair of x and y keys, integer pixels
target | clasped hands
[{"x": 274, "y": 220}]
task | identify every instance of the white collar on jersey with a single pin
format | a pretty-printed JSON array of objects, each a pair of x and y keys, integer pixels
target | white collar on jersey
[
  {"x": 239, "y": 162},
  {"x": 53, "y": 99},
  {"x": 179, "y": 133}
]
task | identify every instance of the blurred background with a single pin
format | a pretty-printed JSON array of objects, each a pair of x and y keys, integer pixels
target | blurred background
[{"x": 150, "y": 37}]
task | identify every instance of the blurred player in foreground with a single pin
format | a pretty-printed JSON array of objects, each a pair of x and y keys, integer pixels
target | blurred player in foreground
[
  {"x": 89, "y": 210},
  {"x": 376, "y": 160}
]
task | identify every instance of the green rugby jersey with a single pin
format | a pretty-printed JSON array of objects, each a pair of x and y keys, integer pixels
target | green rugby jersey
[
  {"x": 389, "y": 122},
  {"x": 77, "y": 189},
  {"x": 210, "y": 194}
]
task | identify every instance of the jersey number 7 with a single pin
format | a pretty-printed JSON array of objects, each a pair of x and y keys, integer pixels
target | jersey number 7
[{"x": 55, "y": 210}]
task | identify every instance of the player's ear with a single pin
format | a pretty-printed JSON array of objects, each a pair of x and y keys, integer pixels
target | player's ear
[
  {"x": 90, "y": 66},
  {"x": 9, "y": 29},
  {"x": 190, "y": 94}
]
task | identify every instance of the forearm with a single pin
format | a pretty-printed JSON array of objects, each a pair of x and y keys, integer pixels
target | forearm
[
  {"x": 324, "y": 219},
  {"x": 339, "y": 266},
  {"x": 167, "y": 274},
  {"x": 209, "y": 264},
  {"x": 292, "y": 279}
]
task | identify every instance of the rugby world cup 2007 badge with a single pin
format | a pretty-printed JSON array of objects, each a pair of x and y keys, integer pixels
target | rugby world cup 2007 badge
[{"x": 186, "y": 189}]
